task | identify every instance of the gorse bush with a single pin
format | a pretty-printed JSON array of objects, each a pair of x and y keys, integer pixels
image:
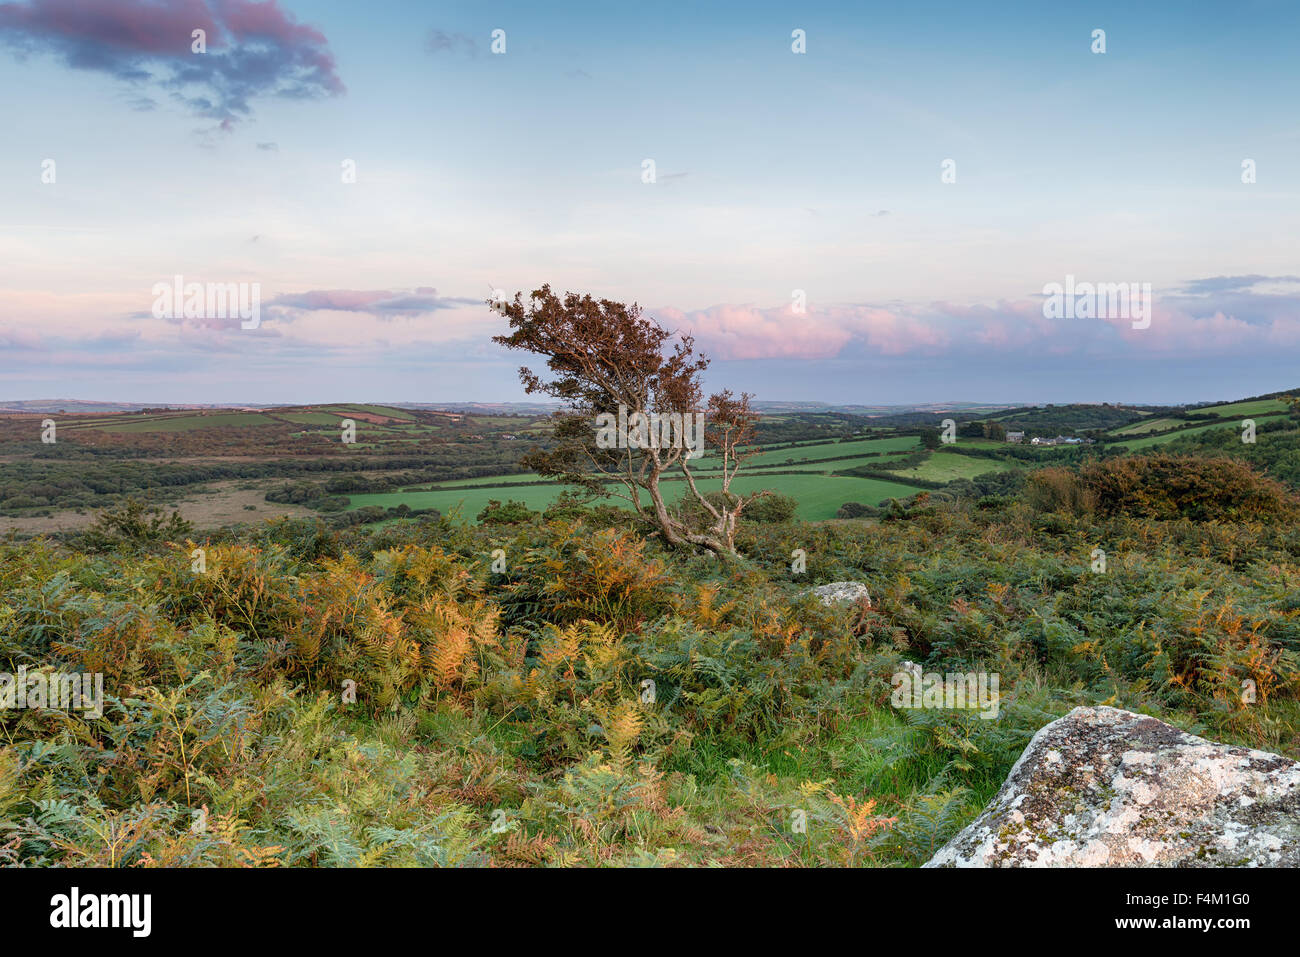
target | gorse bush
[
  {"x": 133, "y": 525},
  {"x": 1163, "y": 487},
  {"x": 771, "y": 508},
  {"x": 568, "y": 693},
  {"x": 510, "y": 513}
]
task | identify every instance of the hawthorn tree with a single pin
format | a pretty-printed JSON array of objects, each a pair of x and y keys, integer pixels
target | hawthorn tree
[{"x": 610, "y": 364}]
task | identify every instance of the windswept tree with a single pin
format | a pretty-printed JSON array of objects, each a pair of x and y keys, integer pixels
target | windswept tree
[{"x": 633, "y": 413}]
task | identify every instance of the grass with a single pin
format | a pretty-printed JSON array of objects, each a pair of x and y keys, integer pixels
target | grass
[
  {"x": 531, "y": 478},
  {"x": 819, "y": 496},
  {"x": 343, "y": 408},
  {"x": 501, "y": 421},
  {"x": 1149, "y": 425},
  {"x": 946, "y": 466},
  {"x": 216, "y": 420},
  {"x": 1254, "y": 407},
  {"x": 309, "y": 418},
  {"x": 827, "y": 450},
  {"x": 819, "y": 493},
  {"x": 825, "y": 466},
  {"x": 1151, "y": 440}
]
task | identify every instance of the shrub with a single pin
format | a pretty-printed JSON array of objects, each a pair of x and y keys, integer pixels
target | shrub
[
  {"x": 1163, "y": 487},
  {"x": 133, "y": 525},
  {"x": 511, "y": 513},
  {"x": 568, "y": 506},
  {"x": 771, "y": 508}
]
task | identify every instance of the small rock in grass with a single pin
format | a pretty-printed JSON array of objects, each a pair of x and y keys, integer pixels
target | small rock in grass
[{"x": 841, "y": 591}]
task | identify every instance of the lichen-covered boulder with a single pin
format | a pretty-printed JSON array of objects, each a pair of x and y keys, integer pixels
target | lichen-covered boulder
[
  {"x": 1108, "y": 788},
  {"x": 841, "y": 591}
]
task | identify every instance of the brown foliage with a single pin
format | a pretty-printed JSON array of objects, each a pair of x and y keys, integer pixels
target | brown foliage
[
  {"x": 1163, "y": 487},
  {"x": 605, "y": 357}
]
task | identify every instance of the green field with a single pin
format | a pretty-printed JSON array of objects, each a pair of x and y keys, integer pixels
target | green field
[
  {"x": 529, "y": 477},
  {"x": 818, "y": 493},
  {"x": 819, "y": 496},
  {"x": 828, "y": 450},
  {"x": 93, "y": 423},
  {"x": 1149, "y": 425},
  {"x": 186, "y": 422},
  {"x": 1255, "y": 407},
  {"x": 1233, "y": 412},
  {"x": 309, "y": 418},
  {"x": 498, "y": 421},
  {"x": 389, "y": 411},
  {"x": 946, "y": 466},
  {"x": 825, "y": 466},
  {"x": 1170, "y": 436}
]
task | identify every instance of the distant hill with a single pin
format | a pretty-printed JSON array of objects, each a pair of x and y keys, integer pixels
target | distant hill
[
  {"x": 482, "y": 408},
  {"x": 925, "y": 408},
  {"x": 900, "y": 415},
  {"x": 87, "y": 406}
]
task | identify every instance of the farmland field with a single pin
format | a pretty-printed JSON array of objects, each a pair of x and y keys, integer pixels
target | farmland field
[
  {"x": 310, "y": 418},
  {"x": 825, "y": 465},
  {"x": 810, "y": 471},
  {"x": 1252, "y": 407},
  {"x": 946, "y": 466},
  {"x": 828, "y": 450},
  {"x": 1151, "y": 440},
  {"x": 187, "y": 422},
  {"x": 819, "y": 496},
  {"x": 1149, "y": 425},
  {"x": 819, "y": 493}
]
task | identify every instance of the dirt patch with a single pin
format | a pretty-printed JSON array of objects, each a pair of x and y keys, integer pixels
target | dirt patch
[
  {"x": 65, "y": 521},
  {"x": 226, "y": 505},
  {"x": 223, "y": 504}
]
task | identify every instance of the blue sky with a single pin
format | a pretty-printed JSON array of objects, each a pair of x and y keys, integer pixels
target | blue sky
[{"x": 776, "y": 172}]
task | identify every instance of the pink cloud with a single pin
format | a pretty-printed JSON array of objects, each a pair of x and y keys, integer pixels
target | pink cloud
[
  {"x": 738, "y": 332},
  {"x": 746, "y": 332},
  {"x": 750, "y": 332}
]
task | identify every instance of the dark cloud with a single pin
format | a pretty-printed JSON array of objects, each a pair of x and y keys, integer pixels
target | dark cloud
[{"x": 253, "y": 49}]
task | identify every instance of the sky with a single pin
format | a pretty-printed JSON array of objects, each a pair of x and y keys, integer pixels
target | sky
[{"x": 874, "y": 220}]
